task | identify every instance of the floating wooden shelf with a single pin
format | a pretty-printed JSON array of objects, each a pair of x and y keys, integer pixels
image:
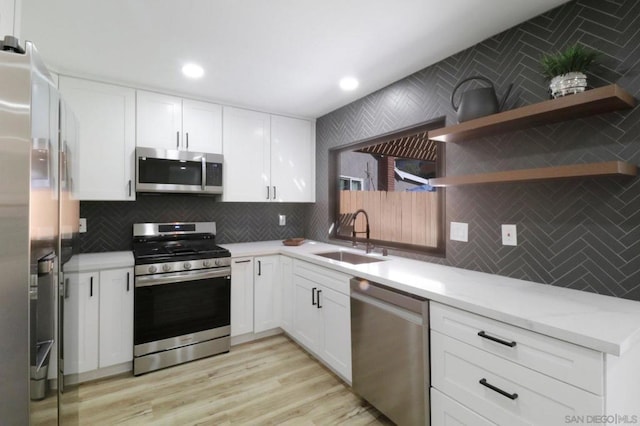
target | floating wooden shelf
[
  {"x": 594, "y": 101},
  {"x": 611, "y": 168}
]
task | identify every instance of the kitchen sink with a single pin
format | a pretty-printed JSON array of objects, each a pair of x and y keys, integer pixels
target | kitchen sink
[{"x": 348, "y": 257}]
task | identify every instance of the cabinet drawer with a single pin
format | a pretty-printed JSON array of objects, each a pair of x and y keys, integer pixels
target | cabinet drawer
[
  {"x": 564, "y": 361},
  {"x": 334, "y": 280},
  {"x": 527, "y": 397},
  {"x": 447, "y": 412}
]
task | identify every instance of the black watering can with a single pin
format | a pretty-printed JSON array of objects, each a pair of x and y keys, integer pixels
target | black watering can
[{"x": 478, "y": 102}]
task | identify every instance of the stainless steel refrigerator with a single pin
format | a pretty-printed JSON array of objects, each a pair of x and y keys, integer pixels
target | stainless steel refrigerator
[{"x": 38, "y": 230}]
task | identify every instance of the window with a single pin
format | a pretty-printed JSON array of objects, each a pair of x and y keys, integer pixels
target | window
[
  {"x": 388, "y": 177},
  {"x": 348, "y": 183}
]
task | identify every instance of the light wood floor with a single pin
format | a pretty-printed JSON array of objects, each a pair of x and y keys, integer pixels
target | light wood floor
[{"x": 270, "y": 381}]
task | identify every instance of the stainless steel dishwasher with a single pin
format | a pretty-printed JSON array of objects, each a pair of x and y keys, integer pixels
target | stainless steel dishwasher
[{"x": 390, "y": 351}]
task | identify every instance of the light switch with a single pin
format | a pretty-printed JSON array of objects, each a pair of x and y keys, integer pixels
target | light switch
[
  {"x": 459, "y": 231},
  {"x": 282, "y": 219},
  {"x": 509, "y": 235},
  {"x": 83, "y": 225}
]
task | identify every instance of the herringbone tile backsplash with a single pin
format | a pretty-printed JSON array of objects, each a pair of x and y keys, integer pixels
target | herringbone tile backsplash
[
  {"x": 110, "y": 223},
  {"x": 582, "y": 233}
]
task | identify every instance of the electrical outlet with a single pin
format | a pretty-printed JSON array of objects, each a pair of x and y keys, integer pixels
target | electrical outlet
[
  {"x": 282, "y": 219},
  {"x": 83, "y": 225},
  {"x": 459, "y": 231},
  {"x": 509, "y": 235}
]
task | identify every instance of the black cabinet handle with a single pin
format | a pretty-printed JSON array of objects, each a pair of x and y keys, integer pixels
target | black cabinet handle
[
  {"x": 319, "y": 305},
  {"x": 129, "y": 187},
  {"x": 187, "y": 140},
  {"x": 242, "y": 261},
  {"x": 495, "y": 339},
  {"x": 127, "y": 281},
  {"x": 259, "y": 268},
  {"x": 66, "y": 288},
  {"x": 313, "y": 296},
  {"x": 274, "y": 193},
  {"x": 177, "y": 139},
  {"x": 483, "y": 382},
  {"x": 91, "y": 287},
  {"x": 267, "y": 192}
]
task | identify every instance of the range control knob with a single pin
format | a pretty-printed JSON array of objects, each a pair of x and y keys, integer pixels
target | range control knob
[
  {"x": 187, "y": 265},
  {"x": 206, "y": 263},
  {"x": 152, "y": 269},
  {"x": 218, "y": 262},
  {"x": 166, "y": 267}
]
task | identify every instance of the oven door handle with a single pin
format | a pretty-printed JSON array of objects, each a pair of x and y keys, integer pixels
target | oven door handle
[{"x": 179, "y": 277}]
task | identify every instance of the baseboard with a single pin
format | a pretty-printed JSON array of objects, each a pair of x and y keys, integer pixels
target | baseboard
[{"x": 249, "y": 337}]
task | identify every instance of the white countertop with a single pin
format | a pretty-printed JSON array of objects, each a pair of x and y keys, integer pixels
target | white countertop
[
  {"x": 96, "y": 261},
  {"x": 604, "y": 323}
]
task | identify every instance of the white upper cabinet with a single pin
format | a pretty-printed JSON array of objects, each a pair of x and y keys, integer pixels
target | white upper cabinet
[
  {"x": 246, "y": 148},
  {"x": 168, "y": 122},
  {"x": 159, "y": 120},
  {"x": 292, "y": 159},
  {"x": 267, "y": 157},
  {"x": 104, "y": 158},
  {"x": 202, "y": 126}
]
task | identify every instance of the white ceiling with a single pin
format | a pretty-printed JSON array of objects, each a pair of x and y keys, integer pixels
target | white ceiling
[{"x": 283, "y": 56}]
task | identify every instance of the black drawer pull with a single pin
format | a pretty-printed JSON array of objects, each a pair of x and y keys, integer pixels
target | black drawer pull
[
  {"x": 483, "y": 382},
  {"x": 495, "y": 339},
  {"x": 319, "y": 306},
  {"x": 313, "y": 296},
  {"x": 243, "y": 261}
]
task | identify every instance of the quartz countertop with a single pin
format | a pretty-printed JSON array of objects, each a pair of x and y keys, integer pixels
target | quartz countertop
[
  {"x": 96, "y": 261},
  {"x": 603, "y": 323}
]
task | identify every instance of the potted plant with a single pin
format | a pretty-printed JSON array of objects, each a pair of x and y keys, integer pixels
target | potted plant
[{"x": 566, "y": 70}]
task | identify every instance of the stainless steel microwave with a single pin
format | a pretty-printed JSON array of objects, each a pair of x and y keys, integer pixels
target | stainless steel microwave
[{"x": 165, "y": 170}]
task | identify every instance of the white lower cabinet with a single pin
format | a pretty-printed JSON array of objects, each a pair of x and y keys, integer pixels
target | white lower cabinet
[
  {"x": 485, "y": 371},
  {"x": 241, "y": 295},
  {"x": 98, "y": 319},
  {"x": 322, "y": 315},
  {"x": 266, "y": 294},
  {"x": 116, "y": 317},
  {"x": 447, "y": 412},
  {"x": 81, "y": 318}
]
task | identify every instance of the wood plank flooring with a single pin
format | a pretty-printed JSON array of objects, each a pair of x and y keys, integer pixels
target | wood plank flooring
[{"x": 270, "y": 381}]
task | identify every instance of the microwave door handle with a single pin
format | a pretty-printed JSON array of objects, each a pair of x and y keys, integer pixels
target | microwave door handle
[{"x": 204, "y": 173}]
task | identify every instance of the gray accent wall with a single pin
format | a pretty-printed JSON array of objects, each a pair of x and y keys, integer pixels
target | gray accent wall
[{"x": 580, "y": 233}]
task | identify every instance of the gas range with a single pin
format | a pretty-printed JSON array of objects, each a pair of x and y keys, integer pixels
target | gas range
[
  {"x": 182, "y": 299},
  {"x": 176, "y": 247}
]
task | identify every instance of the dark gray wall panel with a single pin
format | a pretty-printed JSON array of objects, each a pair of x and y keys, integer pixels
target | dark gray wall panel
[{"x": 584, "y": 233}]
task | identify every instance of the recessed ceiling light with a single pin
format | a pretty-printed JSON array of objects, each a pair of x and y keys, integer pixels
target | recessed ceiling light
[
  {"x": 348, "y": 83},
  {"x": 192, "y": 70}
]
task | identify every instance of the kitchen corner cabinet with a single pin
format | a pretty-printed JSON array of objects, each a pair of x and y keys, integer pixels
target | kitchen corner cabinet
[
  {"x": 169, "y": 122},
  {"x": 241, "y": 296},
  {"x": 104, "y": 157},
  {"x": 266, "y": 294},
  {"x": 98, "y": 319},
  {"x": 322, "y": 315},
  {"x": 267, "y": 157}
]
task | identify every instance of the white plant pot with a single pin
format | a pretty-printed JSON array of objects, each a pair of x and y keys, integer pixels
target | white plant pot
[{"x": 568, "y": 84}]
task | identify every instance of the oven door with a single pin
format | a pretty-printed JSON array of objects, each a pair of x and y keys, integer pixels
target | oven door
[
  {"x": 179, "y": 309},
  {"x": 160, "y": 170}
]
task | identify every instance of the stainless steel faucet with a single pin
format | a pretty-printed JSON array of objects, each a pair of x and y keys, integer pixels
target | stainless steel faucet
[{"x": 368, "y": 246}]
